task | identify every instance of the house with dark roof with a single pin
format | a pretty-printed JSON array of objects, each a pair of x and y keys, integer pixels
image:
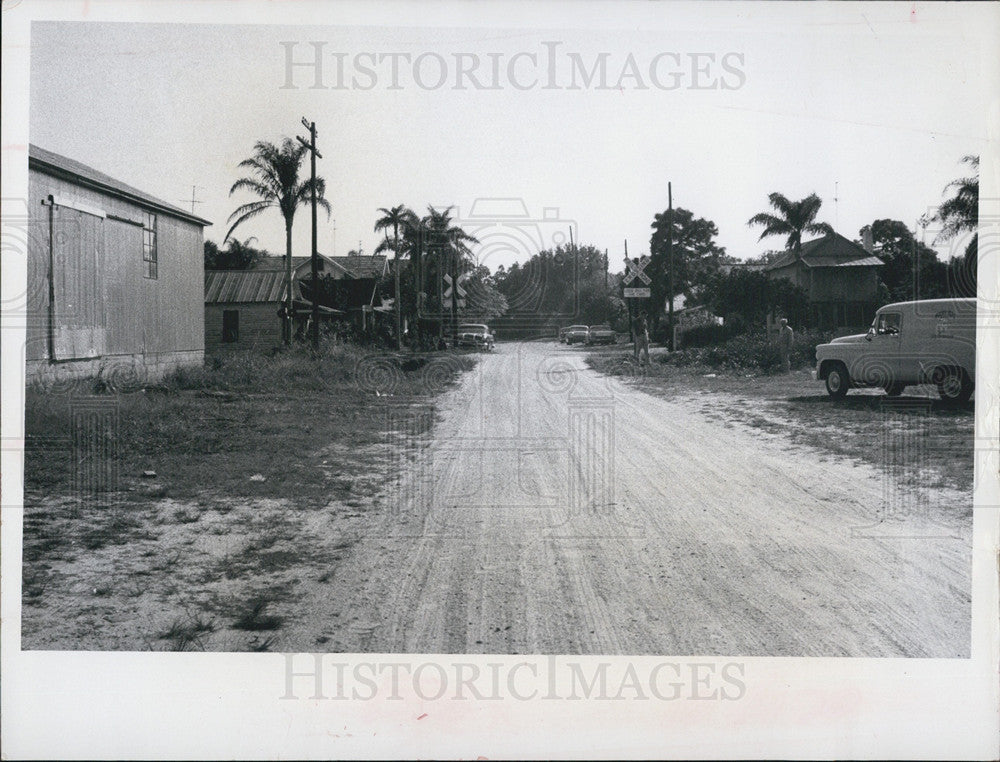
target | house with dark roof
[
  {"x": 364, "y": 265},
  {"x": 115, "y": 276},
  {"x": 302, "y": 267},
  {"x": 350, "y": 266},
  {"x": 243, "y": 309},
  {"x": 839, "y": 276}
]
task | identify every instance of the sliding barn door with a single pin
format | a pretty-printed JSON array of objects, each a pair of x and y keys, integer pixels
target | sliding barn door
[{"x": 77, "y": 265}]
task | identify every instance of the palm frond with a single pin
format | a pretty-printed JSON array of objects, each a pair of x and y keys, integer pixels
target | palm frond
[{"x": 244, "y": 213}]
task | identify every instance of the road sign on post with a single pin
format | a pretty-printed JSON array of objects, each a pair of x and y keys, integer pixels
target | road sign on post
[{"x": 637, "y": 293}]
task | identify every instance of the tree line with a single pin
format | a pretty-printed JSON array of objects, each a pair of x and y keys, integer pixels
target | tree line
[{"x": 576, "y": 282}]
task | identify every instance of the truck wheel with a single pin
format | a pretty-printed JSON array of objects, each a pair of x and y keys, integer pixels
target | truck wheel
[
  {"x": 894, "y": 390},
  {"x": 953, "y": 384},
  {"x": 837, "y": 381}
]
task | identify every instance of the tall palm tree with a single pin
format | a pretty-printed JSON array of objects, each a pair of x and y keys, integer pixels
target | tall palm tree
[
  {"x": 274, "y": 177},
  {"x": 394, "y": 218},
  {"x": 452, "y": 242},
  {"x": 793, "y": 218}
]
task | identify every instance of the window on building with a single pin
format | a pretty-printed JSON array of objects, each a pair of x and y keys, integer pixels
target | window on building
[
  {"x": 149, "y": 244},
  {"x": 230, "y": 326}
]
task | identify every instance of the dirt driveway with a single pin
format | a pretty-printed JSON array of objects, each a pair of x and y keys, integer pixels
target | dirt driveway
[{"x": 556, "y": 510}]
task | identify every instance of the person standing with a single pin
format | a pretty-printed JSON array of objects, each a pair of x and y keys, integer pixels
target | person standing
[
  {"x": 641, "y": 338},
  {"x": 785, "y": 337}
]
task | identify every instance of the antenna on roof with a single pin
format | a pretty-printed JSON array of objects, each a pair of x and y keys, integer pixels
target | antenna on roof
[
  {"x": 836, "y": 204},
  {"x": 193, "y": 200}
]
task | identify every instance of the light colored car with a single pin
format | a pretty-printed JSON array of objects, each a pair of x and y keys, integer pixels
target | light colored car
[
  {"x": 576, "y": 334},
  {"x": 475, "y": 335},
  {"x": 930, "y": 341},
  {"x": 601, "y": 334}
]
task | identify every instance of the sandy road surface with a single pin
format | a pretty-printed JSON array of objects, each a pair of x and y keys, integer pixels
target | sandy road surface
[{"x": 554, "y": 510}]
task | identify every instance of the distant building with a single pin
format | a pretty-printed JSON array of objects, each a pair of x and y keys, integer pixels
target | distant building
[
  {"x": 115, "y": 276},
  {"x": 244, "y": 308},
  {"x": 351, "y": 266},
  {"x": 302, "y": 267},
  {"x": 839, "y": 276},
  {"x": 364, "y": 266}
]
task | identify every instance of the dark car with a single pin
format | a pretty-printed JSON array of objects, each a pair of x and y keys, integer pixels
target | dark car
[
  {"x": 576, "y": 334},
  {"x": 475, "y": 335},
  {"x": 601, "y": 334}
]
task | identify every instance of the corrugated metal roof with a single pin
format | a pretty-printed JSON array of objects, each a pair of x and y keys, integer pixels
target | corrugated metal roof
[
  {"x": 244, "y": 286},
  {"x": 47, "y": 160},
  {"x": 863, "y": 262}
]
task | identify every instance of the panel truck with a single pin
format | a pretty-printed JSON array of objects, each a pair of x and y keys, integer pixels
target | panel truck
[{"x": 930, "y": 341}]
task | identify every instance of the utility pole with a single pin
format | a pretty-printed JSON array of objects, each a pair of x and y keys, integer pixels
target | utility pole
[
  {"x": 576, "y": 273},
  {"x": 607, "y": 302},
  {"x": 670, "y": 267},
  {"x": 313, "y": 153},
  {"x": 454, "y": 298},
  {"x": 418, "y": 332},
  {"x": 836, "y": 204},
  {"x": 631, "y": 333},
  {"x": 398, "y": 300}
]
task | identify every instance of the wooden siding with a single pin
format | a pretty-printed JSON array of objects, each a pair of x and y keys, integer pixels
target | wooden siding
[
  {"x": 259, "y": 325},
  {"x": 141, "y": 316}
]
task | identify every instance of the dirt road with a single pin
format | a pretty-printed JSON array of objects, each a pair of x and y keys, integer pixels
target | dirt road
[{"x": 555, "y": 510}]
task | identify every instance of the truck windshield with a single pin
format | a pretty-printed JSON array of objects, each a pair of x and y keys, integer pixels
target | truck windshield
[{"x": 887, "y": 324}]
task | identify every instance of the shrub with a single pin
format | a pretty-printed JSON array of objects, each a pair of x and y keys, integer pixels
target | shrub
[
  {"x": 750, "y": 352},
  {"x": 708, "y": 334}
]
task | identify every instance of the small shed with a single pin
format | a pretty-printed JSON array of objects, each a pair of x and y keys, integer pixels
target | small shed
[{"x": 244, "y": 308}]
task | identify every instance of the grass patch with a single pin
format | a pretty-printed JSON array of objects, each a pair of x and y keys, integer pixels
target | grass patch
[
  {"x": 186, "y": 634},
  {"x": 255, "y": 618},
  {"x": 866, "y": 426},
  {"x": 246, "y": 424}
]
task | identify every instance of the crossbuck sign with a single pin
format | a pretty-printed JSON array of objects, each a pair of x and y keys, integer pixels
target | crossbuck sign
[
  {"x": 447, "y": 281},
  {"x": 635, "y": 270}
]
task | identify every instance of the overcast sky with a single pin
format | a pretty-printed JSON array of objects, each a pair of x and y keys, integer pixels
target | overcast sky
[{"x": 876, "y": 105}]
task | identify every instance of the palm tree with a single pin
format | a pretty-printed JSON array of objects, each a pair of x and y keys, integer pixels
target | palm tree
[
  {"x": 452, "y": 242},
  {"x": 793, "y": 218},
  {"x": 274, "y": 177},
  {"x": 960, "y": 214},
  {"x": 394, "y": 218}
]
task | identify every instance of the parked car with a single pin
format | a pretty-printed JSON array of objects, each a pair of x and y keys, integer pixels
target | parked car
[
  {"x": 929, "y": 341},
  {"x": 475, "y": 335},
  {"x": 576, "y": 334},
  {"x": 601, "y": 334}
]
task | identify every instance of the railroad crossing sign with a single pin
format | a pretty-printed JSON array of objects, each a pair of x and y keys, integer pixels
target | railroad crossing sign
[
  {"x": 637, "y": 293},
  {"x": 447, "y": 281},
  {"x": 635, "y": 270}
]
